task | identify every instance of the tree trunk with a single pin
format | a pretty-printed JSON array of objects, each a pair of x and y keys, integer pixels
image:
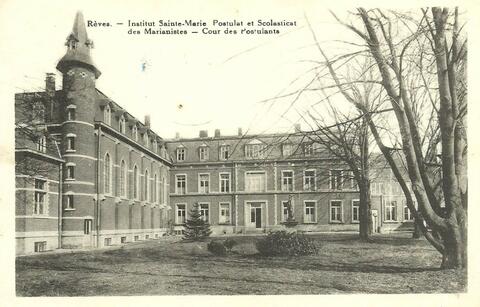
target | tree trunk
[
  {"x": 455, "y": 241},
  {"x": 417, "y": 232},
  {"x": 365, "y": 227}
]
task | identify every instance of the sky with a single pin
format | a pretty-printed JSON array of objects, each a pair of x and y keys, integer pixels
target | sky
[{"x": 191, "y": 82}]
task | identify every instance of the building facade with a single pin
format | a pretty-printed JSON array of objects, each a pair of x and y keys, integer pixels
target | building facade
[{"x": 89, "y": 174}]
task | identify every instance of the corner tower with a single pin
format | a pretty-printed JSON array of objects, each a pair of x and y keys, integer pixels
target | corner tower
[{"x": 79, "y": 103}]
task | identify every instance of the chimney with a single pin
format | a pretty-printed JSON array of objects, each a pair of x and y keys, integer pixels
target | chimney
[
  {"x": 147, "y": 121},
  {"x": 240, "y": 133},
  {"x": 217, "y": 133},
  {"x": 203, "y": 133},
  {"x": 298, "y": 128},
  {"x": 50, "y": 84},
  {"x": 177, "y": 135}
]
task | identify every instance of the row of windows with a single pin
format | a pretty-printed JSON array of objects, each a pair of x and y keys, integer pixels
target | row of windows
[
  {"x": 255, "y": 181},
  {"x": 252, "y": 151}
]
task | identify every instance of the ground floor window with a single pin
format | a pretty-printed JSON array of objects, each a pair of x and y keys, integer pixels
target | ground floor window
[
  {"x": 123, "y": 240},
  {"x": 336, "y": 211},
  {"x": 181, "y": 213},
  {"x": 147, "y": 237},
  {"x": 310, "y": 216},
  {"x": 107, "y": 241},
  {"x": 391, "y": 211},
  {"x": 136, "y": 238},
  {"x": 224, "y": 213},
  {"x": 40, "y": 246},
  {"x": 407, "y": 215},
  {"x": 87, "y": 227},
  {"x": 355, "y": 210},
  {"x": 204, "y": 212}
]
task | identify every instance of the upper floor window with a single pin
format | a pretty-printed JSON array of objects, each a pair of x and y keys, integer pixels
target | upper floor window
[
  {"x": 154, "y": 189},
  {"x": 287, "y": 150},
  {"x": 41, "y": 144},
  {"x": 181, "y": 154},
  {"x": 203, "y": 183},
  {"x": 69, "y": 204},
  {"x": 146, "y": 186},
  {"x": 255, "y": 150},
  {"x": 121, "y": 124},
  {"x": 107, "y": 115},
  {"x": 309, "y": 180},
  {"x": 107, "y": 173},
  {"x": 70, "y": 171},
  {"x": 224, "y": 152},
  {"x": 135, "y": 132},
  {"x": 40, "y": 205},
  {"x": 135, "y": 182},
  {"x": 145, "y": 139},
  {"x": 123, "y": 179},
  {"x": 70, "y": 142},
  {"x": 349, "y": 179},
  {"x": 224, "y": 182},
  {"x": 308, "y": 149},
  {"x": 154, "y": 145},
  {"x": 287, "y": 180},
  {"x": 336, "y": 179},
  {"x": 203, "y": 153},
  {"x": 255, "y": 181},
  {"x": 71, "y": 112},
  {"x": 180, "y": 184}
]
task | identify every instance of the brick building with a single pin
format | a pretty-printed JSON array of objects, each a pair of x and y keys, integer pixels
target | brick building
[{"x": 89, "y": 174}]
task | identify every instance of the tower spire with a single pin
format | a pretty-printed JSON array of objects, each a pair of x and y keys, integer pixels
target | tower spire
[{"x": 78, "y": 48}]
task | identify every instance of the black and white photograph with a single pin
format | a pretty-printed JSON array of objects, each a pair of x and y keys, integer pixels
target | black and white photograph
[{"x": 273, "y": 151}]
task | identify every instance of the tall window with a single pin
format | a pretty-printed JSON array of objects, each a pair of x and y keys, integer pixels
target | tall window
[
  {"x": 350, "y": 180},
  {"x": 107, "y": 173},
  {"x": 255, "y": 150},
  {"x": 181, "y": 154},
  {"x": 42, "y": 144},
  {"x": 70, "y": 143},
  {"x": 407, "y": 215},
  {"x": 135, "y": 132},
  {"x": 310, "y": 215},
  {"x": 154, "y": 144},
  {"x": 180, "y": 215},
  {"x": 285, "y": 210},
  {"x": 121, "y": 124},
  {"x": 309, "y": 180},
  {"x": 203, "y": 153},
  {"x": 204, "y": 212},
  {"x": 224, "y": 152},
  {"x": 154, "y": 190},
  {"x": 135, "y": 182},
  {"x": 203, "y": 183},
  {"x": 355, "y": 210},
  {"x": 181, "y": 184},
  {"x": 145, "y": 139},
  {"x": 39, "y": 207},
  {"x": 308, "y": 149},
  {"x": 146, "y": 186},
  {"x": 287, "y": 150},
  {"x": 71, "y": 113},
  {"x": 336, "y": 179},
  {"x": 69, "y": 202},
  {"x": 70, "y": 172},
  {"x": 224, "y": 182},
  {"x": 255, "y": 181},
  {"x": 224, "y": 213},
  {"x": 391, "y": 211},
  {"x": 287, "y": 180},
  {"x": 336, "y": 211},
  {"x": 107, "y": 115},
  {"x": 123, "y": 179}
]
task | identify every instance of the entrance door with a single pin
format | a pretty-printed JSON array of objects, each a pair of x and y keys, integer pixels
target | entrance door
[{"x": 256, "y": 216}]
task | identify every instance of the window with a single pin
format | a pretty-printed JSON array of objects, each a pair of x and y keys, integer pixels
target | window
[
  {"x": 310, "y": 216},
  {"x": 121, "y": 124},
  {"x": 136, "y": 238},
  {"x": 407, "y": 215},
  {"x": 42, "y": 144},
  {"x": 224, "y": 213},
  {"x": 255, "y": 181},
  {"x": 71, "y": 113},
  {"x": 391, "y": 211},
  {"x": 69, "y": 202},
  {"x": 285, "y": 210},
  {"x": 180, "y": 214},
  {"x": 146, "y": 186},
  {"x": 70, "y": 172},
  {"x": 145, "y": 139},
  {"x": 123, "y": 179},
  {"x": 135, "y": 182},
  {"x": 87, "y": 226},
  {"x": 373, "y": 188},
  {"x": 255, "y": 150},
  {"x": 204, "y": 183},
  {"x": 204, "y": 212},
  {"x": 309, "y": 180},
  {"x": 336, "y": 213},
  {"x": 180, "y": 154},
  {"x": 154, "y": 145},
  {"x": 40, "y": 246},
  {"x": 135, "y": 132},
  {"x": 287, "y": 150},
  {"x": 336, "y": 179},
  {"x": 203, "y": 153},
  {"x": 308, "y": 149},
  {"x": 181, "y": 184},
  {"x": 123, "y": 239},
  {"x": 107, "y": 115},
  {"x": 355, "y": 210},
  {"x": 287, "y": 180},
  {"x": 224, "y": 182},
  {"x": 154, "y": 190},
  {"x": 381, "y": 190},
  {"x": 224, "y": 152},
  {"x": 40, "y": 197},
  {"x": 70, "y": 143},
  {"x": 350, "y": 180},
  {"x": 107, "y": 173},
  {"x": 107, "y": 241}
]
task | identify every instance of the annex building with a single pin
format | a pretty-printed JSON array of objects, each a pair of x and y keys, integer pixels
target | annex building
[{"x": 89, "y": 174}]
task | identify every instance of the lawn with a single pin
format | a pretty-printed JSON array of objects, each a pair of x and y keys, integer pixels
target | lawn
[{"x": 390, "y": 264}]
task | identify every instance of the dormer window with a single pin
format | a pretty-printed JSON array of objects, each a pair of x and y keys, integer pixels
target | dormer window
[
  {"x": 255, "y": 150},
  {"x": 135, "y": 133},
  {"x": 121, "y": 124},
  {"x": 42, "y": 144},
  {"x": 107, "y": 115},
  {"x": 181, "y": 154},
  {"x": 224, "y": 152},
  {"x": 203, "y": 152}
]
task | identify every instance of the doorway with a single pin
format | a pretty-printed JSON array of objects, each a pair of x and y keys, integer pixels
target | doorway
[{"x": 256, "y": 215}]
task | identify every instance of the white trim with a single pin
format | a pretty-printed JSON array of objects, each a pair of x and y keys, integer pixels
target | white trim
[
  {"x": 330, "y": 211},
  {"x": 71, "y": 106},
  {"x": 70, "y": 164},
  {"x": 255, "y": 172},
  {"x": 247, "y": 215},
  {"x": 229, "y": 211},
  {"x": 315, "y": 215},
  {"x": 352, "y": 220},
  {"x": 80, "y": 182},
  {"x": 176, "y": 213},
  {"x": 200, "y": 203},
  {"x": 176, "y": 184},
  {"x": 34, "y": 190},
  {"x": 229, "y": 182},
  {"x": 314, "y": 179},
  {"x": 45, "y": 217},
  {"x": 36, "y": 177},
  {"x": 71, "y": 135},
  {"x": 68, "y": 155},
  {"x": 35, "y": 234},
  {"x": 77, "y": 122},
  {"x": 198, "y": 187},
  {"x": 293, "y": 180}
]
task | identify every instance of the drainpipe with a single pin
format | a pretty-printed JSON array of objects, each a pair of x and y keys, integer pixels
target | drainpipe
[
  {"x": 60, "y": 197},
  {"x": 97, "y": 202}
]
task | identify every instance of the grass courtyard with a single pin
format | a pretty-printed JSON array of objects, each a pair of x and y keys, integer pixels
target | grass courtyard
[{"x": 390, "y": 264}]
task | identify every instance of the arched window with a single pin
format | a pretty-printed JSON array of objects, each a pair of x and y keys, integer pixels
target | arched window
[
  {"x": 146, "y": 189},
  {"x": 123, "y": 179},
  {"x": 145, "y": 139},
  {"x": 154, "y": 192},
  {"x": 107, "y": 115},
  {"x": 135, "y": 132},
  {"x": 121, "y": 124},
  {"x": 135, "y": 182},
  {"x": 107, "y": 175}
]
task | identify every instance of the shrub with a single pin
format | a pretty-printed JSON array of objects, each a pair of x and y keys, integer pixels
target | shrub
[
  {"x": 282, "y": 243},
  {"x": 217, "y": 248},
  {"x": 229, "y": 244}
]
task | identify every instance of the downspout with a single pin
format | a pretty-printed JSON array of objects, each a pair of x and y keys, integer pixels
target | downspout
[
  {"x": 97, "y": 179},
  {"x": 60, "y": 197}
]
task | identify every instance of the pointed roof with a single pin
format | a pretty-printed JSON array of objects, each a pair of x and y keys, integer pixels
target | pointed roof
[{"x": 79, "y": 45}]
